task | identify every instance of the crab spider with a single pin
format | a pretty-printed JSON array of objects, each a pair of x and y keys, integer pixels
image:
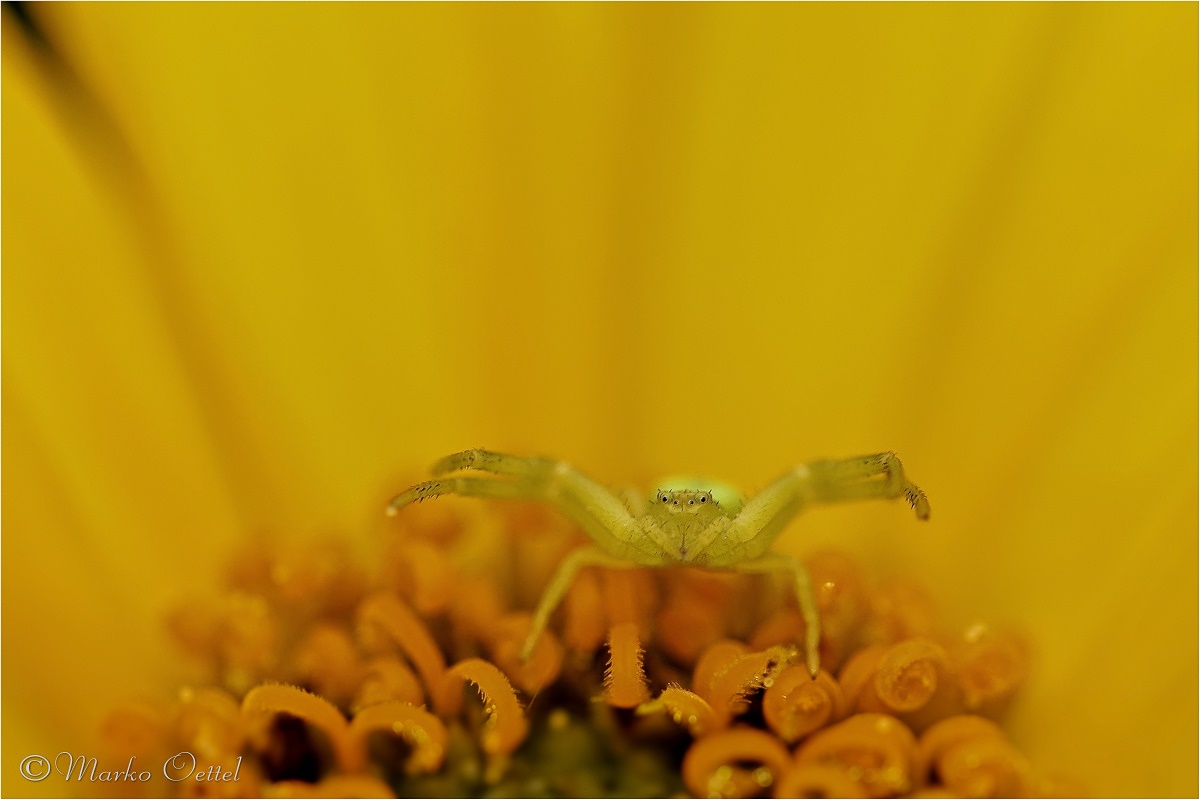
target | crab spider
[{"x": 678, "y": 527}]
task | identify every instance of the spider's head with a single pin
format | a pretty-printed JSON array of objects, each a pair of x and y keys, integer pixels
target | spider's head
[{"x": 685, "y": 502}]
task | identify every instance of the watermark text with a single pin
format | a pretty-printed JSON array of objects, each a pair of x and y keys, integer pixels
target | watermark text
[{"x": 183, "y": 766}]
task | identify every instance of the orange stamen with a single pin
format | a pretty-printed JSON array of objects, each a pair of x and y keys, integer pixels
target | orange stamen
[
  {"x": 986, "y": 767},
  {"x": 263, "y": 703},
  {"x": 781, "y": 628},
  {"x": 544, "y": 664},
  {"x": 857, "y": 678},
  {"x": 421, "y": 572},
  {"x": 685, "y": 708},
  {"x": 795, "y": 704},
  {"x": 209, "y": 723},
  {"x": 333, "y": 786},
  {"x": 327, "y": 660},
  {"x": 291, "y": 616},
  {"x": 712, "y": 766},
  {"x": 624, "y": 679},
  {"x": 991, "y": 667},
  {"x": 421, "y": 731},
  {"x": 842, "y": 602},
  {"x": 505, "y": 725},
  {"x": 693, "y": 616},
  {"x": 909, "y": 674},
  {"x": 385, "y": 612},
  {"x": 950, "y": 732},
  {"x": 388, "y": 679},
  {"x": 584, "y": 614},
  {"x": 730, "y": 688},
  {"x": 714, "y": 662},
  {"x": 475, "y": 610},
  {"x": 900, "y": 611},
  {"x": 817, "y": 780},
  {"x": 628, "y": 595},
  {"x": 877, "y": 751},
  {"x": 247, "y": 641}
]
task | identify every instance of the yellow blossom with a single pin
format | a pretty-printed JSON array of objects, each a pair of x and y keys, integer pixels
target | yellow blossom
[{"x": 262, "y": 263}]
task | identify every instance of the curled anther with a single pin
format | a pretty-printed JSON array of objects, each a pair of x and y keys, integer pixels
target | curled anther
[
  {"x": 424, "y": 733},
  {"x": 730, "y": 689},
  {"x": 991, "y": 666},
  {"x": 544, "y": 663},
  {"x": 717, "y": 765},
  {"x": 385, "y": 612},
  {"x": 388, "y": 679},
  {"x": 333, "y": 786},
  {"x": 209, "y": 722},
  {"x": 685, "y": 708},
  {"x": 263, "y": 703},
  {"x": 625, "y": 677},
  {"x": 505, "y": 725},
  {"x": 877, "y": 751},
  {"x": 972, "y": 758},
  {"x": 795, "y": 704},
  {"x": 909, "y": 674}
]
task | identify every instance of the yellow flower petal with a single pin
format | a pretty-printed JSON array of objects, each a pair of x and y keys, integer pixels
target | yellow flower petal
[{"x": 263, "y": 262}]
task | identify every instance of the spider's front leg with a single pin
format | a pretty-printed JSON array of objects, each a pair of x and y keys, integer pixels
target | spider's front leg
[
  {"x": 532, "y": 479},
  {"x": 863, "y": 478},
  {"x": 878, "y": 476},
  {"x": 743, "y": 544},
  {"x": 601, "y": 514}
]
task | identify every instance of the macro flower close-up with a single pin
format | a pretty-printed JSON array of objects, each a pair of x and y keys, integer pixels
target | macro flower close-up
[{"x": 266, "y": 264}]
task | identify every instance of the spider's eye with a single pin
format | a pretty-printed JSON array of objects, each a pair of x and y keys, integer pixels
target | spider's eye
[
  {"x": 664, "y": 498},
  {"x": 676, "y": 502},
  {"x": 703, "y": 498},
  {"x": 691, "y": 502}
]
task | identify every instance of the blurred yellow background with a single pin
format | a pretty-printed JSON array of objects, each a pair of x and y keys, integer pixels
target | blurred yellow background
[{"x": 263, "y": 263}]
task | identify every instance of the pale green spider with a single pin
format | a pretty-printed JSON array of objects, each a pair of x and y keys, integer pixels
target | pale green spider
[{"x": 703, "y": 526}]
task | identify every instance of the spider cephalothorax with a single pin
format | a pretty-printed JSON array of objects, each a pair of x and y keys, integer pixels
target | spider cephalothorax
[{"x": 676, "y": 527}]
